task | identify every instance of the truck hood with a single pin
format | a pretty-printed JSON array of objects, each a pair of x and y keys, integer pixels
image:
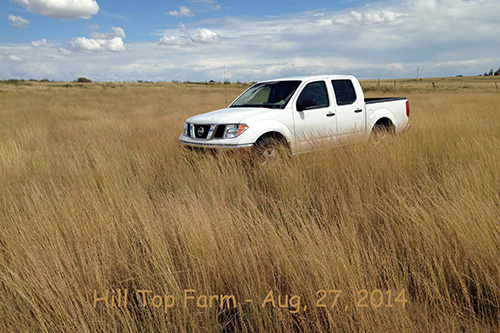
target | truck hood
[{"x": 229, "y": 115}]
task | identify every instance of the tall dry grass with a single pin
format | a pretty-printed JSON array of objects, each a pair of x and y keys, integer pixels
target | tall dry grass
[{"x": 96, "y": 195}]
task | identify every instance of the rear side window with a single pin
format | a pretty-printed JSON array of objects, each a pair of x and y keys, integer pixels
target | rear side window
[{"x": 344, "y": 92}]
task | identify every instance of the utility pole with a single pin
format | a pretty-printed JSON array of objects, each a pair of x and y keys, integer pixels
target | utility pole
[
  {"x": 418, "y": 70},
  {"x": 224, "y": 83}
]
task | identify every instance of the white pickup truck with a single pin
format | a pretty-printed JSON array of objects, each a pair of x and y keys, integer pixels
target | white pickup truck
[{"x": 300, "y": 113}]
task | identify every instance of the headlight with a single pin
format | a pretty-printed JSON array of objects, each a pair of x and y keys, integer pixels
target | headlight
[{"x": 234, "y": 130}]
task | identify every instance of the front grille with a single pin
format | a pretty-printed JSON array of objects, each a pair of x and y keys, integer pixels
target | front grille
[
  {"x": 219, "y": 132},
  {"x": 201, "y": 131},
  {"x": 205, "y": 132}
]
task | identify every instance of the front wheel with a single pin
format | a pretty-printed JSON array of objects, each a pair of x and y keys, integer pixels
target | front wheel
[{"x": 268, "y": 150}]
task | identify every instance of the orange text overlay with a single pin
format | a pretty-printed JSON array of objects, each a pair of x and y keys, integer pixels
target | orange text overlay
[{"x": 191, "y": 298}]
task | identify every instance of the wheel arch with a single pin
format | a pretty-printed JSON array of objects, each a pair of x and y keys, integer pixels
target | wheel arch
[
  {"x": 385, "y": 122},
  {"x": 383, "y": 117},
  {"x": 278, "y": 136}
]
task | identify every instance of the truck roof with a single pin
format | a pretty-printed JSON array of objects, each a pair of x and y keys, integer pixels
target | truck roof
[{"x": 312, "y": 77}]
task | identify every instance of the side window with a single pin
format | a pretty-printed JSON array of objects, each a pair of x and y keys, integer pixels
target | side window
[
  {"x": 314, "y": 95},
  {"x": 344, "y": 92}
]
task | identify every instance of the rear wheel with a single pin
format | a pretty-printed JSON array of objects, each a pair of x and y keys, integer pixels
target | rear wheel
[{"x": 381, "y": 131}]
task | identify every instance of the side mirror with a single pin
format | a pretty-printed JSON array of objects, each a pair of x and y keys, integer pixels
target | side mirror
[{"x": 307, "y": 103}]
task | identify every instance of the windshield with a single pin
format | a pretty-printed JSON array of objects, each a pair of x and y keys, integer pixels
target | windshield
[{"x": 267, "y": 95}]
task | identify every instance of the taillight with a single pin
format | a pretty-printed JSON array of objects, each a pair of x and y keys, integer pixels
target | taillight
[{"x": 407, "y": 109}]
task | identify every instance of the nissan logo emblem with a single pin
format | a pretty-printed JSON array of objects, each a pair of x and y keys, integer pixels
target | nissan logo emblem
[{"x": 200, "y": 131}]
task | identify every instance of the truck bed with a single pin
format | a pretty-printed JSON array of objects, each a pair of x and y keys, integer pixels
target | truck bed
[{"x": 383, "y": 99}]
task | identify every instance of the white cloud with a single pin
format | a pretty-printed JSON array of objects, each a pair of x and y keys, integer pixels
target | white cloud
[
  {"x": 18, "y": 21},
  {"x": 115, "y": 45},
  {"x": 110, "y": 41},
  {"x": 368, "y": 17},
  {"x": 61, "y": 9},
  {"x": 183, "y": 11},
  {"x": 64, "y": 51},
  {"x": 203, "y": 36},
  {"x": 86, "y": 44},
  {"x": 175, "y": 41},
  {"x": 14, "y": 58},
  {"x": 40, "y": 43},
  {"x": 112, "y": 33},
  {"x": 186, "y": 37},
  {"x": 94, "y": 45}
]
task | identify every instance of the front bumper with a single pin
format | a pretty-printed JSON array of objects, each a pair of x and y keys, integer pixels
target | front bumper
[{"x": 205, "y": 144}]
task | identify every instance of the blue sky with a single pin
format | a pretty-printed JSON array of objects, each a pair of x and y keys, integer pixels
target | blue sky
[{"x": 199, "y": 40}]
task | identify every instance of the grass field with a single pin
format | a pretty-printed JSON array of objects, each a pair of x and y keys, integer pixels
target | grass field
[{"x": 97, "y": 197}]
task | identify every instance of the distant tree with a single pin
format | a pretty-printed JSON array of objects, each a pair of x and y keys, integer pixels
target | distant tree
[
  {"x": 83, "y": 80},
  {"x": 497, "y": 73},
  {"x": 490, "y": 73}
]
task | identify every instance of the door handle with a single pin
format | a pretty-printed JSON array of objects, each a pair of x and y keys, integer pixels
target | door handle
[
  {"x": 330, "y": 114},
  {"x": 358, "y": 110}
]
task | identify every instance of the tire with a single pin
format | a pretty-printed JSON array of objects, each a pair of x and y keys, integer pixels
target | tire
[
  {"x": 268, "y": 150},
  {"x": 381, "y": 131}
]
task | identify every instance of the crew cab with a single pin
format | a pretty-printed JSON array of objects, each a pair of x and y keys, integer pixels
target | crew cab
[{"x": 301, "y": 113}]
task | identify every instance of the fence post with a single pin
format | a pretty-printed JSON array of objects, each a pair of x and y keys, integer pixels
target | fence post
[{"x": 496, "y": 85}]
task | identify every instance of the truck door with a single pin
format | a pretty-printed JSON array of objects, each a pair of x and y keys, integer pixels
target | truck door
[
  {"x": 314, "y": 116},
  {"x": 350, "y": 108}
]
